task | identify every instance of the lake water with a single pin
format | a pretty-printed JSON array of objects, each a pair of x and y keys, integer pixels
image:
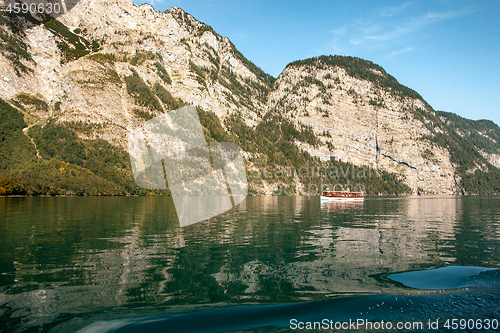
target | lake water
[{"x": 105, "y": 264}]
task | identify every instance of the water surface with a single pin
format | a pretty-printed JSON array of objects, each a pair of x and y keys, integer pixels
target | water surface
[{"x": 67, "y": 263}]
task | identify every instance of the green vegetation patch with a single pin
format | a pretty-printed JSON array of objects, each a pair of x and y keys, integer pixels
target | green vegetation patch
[
  {"x": 141, "y": 56},
  {"x": 244, "y": 93},
  {"x": 70, "y": 54},
  {"x": 99, "y": 80},
  {"x": 11, "y": 120},
  {"x": 72, "y": 46},
  {"x": 162, "y": 73},
  {"x": 113, "y": 77},
  {"x": 212, "y": 127},
  {"x": 16, "y": 149},
  {"x": 143, "y": 114},
  {"x": 103, "y": 58},
  {"x": 168, "y": 100},
  {"x": 62, "y": 31},
  {"x": 141, "y": 93},
  {"x": 29, "y": 100},
  {"x": 83, "y": 127},
  {"x": 200, "y": 75}
]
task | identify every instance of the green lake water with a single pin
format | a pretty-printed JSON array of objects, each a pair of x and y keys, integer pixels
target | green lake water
[{"x": 67, "y": 263}]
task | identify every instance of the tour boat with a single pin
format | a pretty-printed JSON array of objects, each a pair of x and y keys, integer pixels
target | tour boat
[{"x": 342, "y": 195}]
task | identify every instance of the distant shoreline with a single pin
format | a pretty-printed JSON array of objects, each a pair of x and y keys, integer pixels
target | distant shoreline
[{"x": 277, "y": 196}]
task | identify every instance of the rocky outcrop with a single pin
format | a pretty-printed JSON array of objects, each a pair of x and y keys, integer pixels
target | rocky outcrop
[
  {"x": 204, "y": 69},
  {"x": 360, "y": 123}
]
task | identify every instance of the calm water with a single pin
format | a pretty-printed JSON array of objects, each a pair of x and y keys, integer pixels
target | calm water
[{"x": 125, "y": 264}]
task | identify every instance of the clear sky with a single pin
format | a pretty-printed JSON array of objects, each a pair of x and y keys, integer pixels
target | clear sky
[{"x": 448, "y": 51}]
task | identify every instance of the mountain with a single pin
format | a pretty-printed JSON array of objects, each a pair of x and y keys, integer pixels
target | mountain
[
  {"x": 483, "y": 134},
  {"x": 72, "y": 88}
]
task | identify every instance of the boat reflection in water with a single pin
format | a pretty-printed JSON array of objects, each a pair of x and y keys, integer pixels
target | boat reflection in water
[
  {"x": 334, "y": 201},
  {"x": 337, "y": 206}
]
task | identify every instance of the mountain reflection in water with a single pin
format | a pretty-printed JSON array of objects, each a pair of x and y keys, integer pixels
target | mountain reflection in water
[{"x": 67, "y": 262}]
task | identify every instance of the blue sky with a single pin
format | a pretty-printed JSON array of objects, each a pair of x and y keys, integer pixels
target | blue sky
[{"x": 448, "y": 51}]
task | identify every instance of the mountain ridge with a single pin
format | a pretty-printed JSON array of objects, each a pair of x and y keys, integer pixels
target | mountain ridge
[{"x": 106, "y": 67}]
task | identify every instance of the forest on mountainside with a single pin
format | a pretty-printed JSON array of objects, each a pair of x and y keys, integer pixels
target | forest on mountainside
[
  {"x": 53, "y": 160},
  {"x": 483, "y": 134},
  {"x": 360, "y": 69}
]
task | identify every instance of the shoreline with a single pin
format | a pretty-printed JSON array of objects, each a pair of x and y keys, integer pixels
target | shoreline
[{"x": 138, "y": 196}]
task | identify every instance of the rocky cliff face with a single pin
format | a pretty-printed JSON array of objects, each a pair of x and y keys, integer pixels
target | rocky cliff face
[
  {"x": 359, "y": 122},
  {"x": 198, "y": 67},
  {"x": 107, "y": 66}
]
